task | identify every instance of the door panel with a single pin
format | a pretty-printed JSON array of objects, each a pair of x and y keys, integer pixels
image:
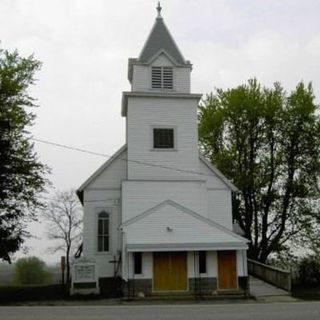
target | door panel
[
  {"x": 169, "y": 271},
  {"x": 227, "y": 270},
  {"x": 161, "y": 272}
]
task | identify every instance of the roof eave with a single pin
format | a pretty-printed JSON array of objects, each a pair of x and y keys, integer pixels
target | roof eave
[
  {"x": 146, "y": 213},
  {"x": 154, "y": 94},
  {"x": 218, "y": 173},
  {"x": 186, "y": 64},
  {"x": 100, "y": 169},
  {"x": 131, "y": 62}
]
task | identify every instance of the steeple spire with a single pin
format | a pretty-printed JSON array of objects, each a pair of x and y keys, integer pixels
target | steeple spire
[
  {"x": 160, "y": 40},
  {"x": 159, "y": 8}
]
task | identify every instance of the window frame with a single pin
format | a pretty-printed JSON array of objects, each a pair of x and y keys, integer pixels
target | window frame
[
  {"x": 98, "y": 213},
  {"x": 174, "y": 128},
  {"x": 162, "y": 82}
]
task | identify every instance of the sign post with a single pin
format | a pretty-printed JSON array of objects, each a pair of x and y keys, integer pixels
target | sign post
[{"x": 63, "y": 267}]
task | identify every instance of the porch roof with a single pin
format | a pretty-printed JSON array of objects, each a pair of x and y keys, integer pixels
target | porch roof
[
  {"x": 170, "y": 226},
  {"x": 157, "y": 247}
]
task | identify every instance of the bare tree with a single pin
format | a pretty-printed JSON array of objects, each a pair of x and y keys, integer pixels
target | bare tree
[{"x": 64, "y": 218}]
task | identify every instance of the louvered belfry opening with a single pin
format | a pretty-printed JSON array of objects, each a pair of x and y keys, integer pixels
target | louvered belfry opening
[
  {"x": 162, "y": 78},
  {"x": 167, "y": 77}
]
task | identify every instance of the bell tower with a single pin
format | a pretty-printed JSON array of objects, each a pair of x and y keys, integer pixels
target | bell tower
[{"x": 160, "y": 111}]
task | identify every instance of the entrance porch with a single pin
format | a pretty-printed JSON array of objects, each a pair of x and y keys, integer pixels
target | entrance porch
[{"x": 186, "y": 272}]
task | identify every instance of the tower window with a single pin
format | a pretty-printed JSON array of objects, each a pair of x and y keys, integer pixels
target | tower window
[
  {"x": 162, "y": 78},
  {"x": 163, "y": 138},
  {"x": 103, "y": 231}
]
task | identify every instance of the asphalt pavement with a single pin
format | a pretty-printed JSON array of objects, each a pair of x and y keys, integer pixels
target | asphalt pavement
[{"x": 239, "y": 311}]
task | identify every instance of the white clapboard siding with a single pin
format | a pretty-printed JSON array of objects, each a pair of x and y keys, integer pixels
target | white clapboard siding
[
  {"x": 94, "y": 202},
  {"x": 147, "y": 266},
  {"x": 104, "y": 193},
  {"x": 213, "y": 181},
  {"x": 152, "y": 229},
  {"x": 112, "y": 175},
  {"x": 162, "y": 61},
  {"x": 139, "y": 196},
  {"x": 146, "y": 113},
  {"x": 193, "y": 264},
  {"x": 90, "y": 224},
  {"x": 219, "y": 207},
  {"x": 141, "y": 80},
  {"x": 182, "y": 80}
]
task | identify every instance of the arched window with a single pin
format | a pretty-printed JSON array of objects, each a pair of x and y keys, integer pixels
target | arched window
[{"x": 103, "y": 231}]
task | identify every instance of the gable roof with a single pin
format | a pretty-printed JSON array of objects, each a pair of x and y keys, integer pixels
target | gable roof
[
  {"x": 186, "y": 211},
  {"x": 159, "y": 40},
  {"x": 99, "y": 171},
  {"x": 219, "y": 174}
]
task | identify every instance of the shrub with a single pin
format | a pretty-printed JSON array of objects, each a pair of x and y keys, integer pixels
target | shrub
[
  {"x": 30, "y": 270},
  {"x": 309, "y": 271}
]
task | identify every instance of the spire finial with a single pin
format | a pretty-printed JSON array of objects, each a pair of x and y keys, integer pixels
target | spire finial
[{"x": 159, "y": 10}]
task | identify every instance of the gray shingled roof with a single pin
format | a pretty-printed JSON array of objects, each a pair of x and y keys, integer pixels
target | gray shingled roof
[{"x": 160, "y": 40}]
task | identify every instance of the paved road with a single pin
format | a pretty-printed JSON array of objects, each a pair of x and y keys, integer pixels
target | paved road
[{"x": 244, "y": 311}]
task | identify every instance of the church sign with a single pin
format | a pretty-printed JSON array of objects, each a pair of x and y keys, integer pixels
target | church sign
[
  {"x": 84, "y": 277},
  {"x": 84, "y": 273}
]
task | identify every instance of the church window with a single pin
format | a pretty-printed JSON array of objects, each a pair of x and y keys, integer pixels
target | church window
[
  {"x": 163, "y": 138},
  {"x": 137, "y": 262},
  {"x": 202, "y": 262},
  {"x": 103, "y": 231},
  {"x": 162, "y": 78}
]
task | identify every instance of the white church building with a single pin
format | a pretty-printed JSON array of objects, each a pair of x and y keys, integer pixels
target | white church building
[{"x": 157, "y": 214}]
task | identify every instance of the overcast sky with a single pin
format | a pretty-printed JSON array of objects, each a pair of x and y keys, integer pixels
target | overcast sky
[{"x": 84, "y": 46}]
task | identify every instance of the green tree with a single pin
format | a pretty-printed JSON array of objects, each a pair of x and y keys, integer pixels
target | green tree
[
  {"x": 267, "y": 142},
  {"x": 21, "y": 173},
  {"x": 30, "y": 270}
]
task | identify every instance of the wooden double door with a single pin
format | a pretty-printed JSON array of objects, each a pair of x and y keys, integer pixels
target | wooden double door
[
  {"x": 170, "y": 271},
  {"x": 227, "y": 270}
]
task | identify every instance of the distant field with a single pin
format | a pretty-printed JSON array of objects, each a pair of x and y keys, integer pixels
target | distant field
[
  {"x": 7, "y": 270},
  {"x": 6, "y": 274}
]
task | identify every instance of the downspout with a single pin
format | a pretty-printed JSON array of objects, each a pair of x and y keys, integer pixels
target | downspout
[
  {"x": 245, "y": 269},
  {"x": 194, "y": 274},
  {"x": 123, "y": 254}
]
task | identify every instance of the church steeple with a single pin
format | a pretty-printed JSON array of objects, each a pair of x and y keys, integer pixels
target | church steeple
[
  {"x": 160, "y": 65},
  {"x": 160, "y": 40}
]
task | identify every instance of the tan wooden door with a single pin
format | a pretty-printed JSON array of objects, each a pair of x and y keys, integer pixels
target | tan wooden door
[
  {"x": 169, "y": 271},
  {"x": 227, "y": 270}
]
